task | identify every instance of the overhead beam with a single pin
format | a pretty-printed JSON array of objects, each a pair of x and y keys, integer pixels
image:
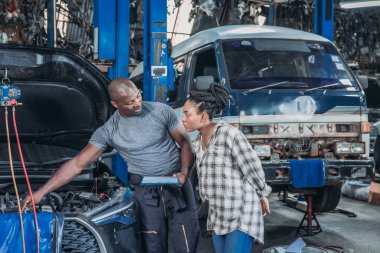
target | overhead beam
[{"x": 358, "y": 4}]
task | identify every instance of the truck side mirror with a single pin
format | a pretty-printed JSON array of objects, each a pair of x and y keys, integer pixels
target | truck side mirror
[
  {"x": 363, "y": 80},
  {"x": 203, "y": 83}
]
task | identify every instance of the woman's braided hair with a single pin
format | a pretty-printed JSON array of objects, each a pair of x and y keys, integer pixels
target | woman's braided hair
[{"x": 211, "y": 101}]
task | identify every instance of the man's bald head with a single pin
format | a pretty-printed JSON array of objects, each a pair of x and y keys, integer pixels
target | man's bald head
[{"x": 121, "y": 87}]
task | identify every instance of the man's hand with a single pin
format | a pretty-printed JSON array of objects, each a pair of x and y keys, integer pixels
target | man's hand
[
  {"x": 66, "y": 173},
  {"x": 182, "y": 177},
  {"x": 187, "y": 155},
  {"x": 265, "y": 206},
  {"x": 37, "y": 196}
]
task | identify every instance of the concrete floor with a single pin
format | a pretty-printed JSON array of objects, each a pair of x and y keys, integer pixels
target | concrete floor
[{"x": 355, "y": 235}]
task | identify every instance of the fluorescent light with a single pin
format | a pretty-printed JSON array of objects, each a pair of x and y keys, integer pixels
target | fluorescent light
[{"x": 358, "y": 4}]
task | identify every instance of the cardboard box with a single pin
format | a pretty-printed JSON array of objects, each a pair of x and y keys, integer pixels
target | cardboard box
[{"x": 374, "y": 193}]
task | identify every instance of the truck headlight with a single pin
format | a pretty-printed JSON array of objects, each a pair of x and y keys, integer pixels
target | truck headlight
[
  {"x": 262, "y": 150},
  {"x": 344, "y": 148},
  {"x": 358, "y": 148}
]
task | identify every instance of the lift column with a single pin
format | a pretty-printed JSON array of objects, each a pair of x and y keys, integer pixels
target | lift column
[
  {"x": 324, "y": 18},
  {"x": 156, "y": 59},
  {"x": 111, "y": 22}
]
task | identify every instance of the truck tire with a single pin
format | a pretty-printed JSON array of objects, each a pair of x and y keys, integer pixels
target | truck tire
[
  {"x": 202, "y": 207},
  {"x": 377, "y": 155},
  {"x": 327, "y": 198}
]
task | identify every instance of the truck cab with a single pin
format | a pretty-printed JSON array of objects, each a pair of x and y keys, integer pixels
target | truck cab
[{"x": 292, "y": 95}]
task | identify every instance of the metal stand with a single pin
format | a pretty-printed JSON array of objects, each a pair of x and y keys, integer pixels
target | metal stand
[{"x": 309, "y": 229}]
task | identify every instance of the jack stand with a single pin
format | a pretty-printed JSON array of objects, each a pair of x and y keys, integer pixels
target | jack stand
[{"x": 309, "y": 229}]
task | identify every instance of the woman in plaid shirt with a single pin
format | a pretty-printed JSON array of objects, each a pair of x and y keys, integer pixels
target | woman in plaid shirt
[{"x": 230, "y": 174}]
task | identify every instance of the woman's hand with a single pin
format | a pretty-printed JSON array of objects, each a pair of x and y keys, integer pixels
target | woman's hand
[{"x": 265, "y": 206}]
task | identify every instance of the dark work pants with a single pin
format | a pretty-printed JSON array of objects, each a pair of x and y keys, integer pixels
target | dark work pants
[{"x": 168, "y": 214}]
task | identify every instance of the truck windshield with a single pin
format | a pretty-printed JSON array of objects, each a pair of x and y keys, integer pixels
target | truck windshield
[{"x": 256, "y": 63}]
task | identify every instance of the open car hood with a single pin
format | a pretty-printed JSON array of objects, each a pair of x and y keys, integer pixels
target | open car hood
[{"x": 64, "y": 99}]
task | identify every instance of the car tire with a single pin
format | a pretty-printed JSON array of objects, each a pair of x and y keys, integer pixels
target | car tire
[
  {"x": 202, "y": 207},
  {"x": 327, "y": 198}
]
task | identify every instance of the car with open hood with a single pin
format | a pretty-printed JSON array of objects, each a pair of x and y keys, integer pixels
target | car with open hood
[{"x": 64, "y": 100}]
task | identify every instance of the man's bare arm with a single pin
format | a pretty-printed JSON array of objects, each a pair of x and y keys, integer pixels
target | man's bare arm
[
  {"x": 187, "y": 154},
  {"x": 67, "y": 172}
]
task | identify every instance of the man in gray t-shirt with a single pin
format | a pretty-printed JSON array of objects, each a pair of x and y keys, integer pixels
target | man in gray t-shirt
[
  {"x": 144, "y": 140},
  {"x": 153, "y": 141}
]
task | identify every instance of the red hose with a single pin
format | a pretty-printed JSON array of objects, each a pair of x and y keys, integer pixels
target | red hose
[{"x": 27, "y": 178}]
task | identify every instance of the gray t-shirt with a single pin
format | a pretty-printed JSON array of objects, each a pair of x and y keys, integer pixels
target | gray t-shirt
[{"x": 144, "y": 141}]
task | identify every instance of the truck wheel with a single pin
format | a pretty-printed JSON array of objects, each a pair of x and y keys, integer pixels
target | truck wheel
[
  {"x": 377, "y": 155},
  {"x": 202, "y": 207},
  {"x": 327, "y": 198}
]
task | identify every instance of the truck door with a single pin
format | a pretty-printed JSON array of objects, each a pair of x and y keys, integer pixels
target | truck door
[{"x": 204, "y": 63}]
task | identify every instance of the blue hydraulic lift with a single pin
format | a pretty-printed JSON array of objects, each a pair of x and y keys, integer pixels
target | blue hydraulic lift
[
  {"x": 324, "y": 18},
  {"x": 157, "y": 64},
  {"x": 111, "y": 20},
  {"x": 107, "y": 13}
]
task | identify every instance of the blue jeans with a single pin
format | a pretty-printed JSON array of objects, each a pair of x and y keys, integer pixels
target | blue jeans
[{"x": 237, "y": 242}]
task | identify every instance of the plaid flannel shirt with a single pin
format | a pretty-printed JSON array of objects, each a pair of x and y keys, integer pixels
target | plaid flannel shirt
[{"x": 232, "y": 180}]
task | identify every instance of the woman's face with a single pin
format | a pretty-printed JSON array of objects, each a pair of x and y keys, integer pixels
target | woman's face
[{"x": 191, "y": 119}]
